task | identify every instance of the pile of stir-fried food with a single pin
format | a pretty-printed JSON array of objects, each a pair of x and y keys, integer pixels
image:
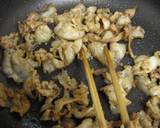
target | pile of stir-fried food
[{"x": 65, "y": 34}]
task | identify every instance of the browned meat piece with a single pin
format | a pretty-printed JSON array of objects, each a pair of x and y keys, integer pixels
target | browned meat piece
[
  {"x": 20, "y": 103},
  {"x": 9, "y": 41},
  {"x": 15, "y": 100}
]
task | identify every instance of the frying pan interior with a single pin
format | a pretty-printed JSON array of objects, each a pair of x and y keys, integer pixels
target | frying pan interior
[{"x": 147, "y": 16}]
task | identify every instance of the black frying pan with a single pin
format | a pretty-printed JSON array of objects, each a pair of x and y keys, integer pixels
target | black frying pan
[{"x": 148, "y": 16}]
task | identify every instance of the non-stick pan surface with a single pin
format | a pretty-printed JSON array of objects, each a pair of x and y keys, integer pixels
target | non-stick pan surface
[{"x": 147, "y": 16}]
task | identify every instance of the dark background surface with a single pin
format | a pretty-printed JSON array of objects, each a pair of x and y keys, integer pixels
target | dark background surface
[{"x": 147, "y": 16}]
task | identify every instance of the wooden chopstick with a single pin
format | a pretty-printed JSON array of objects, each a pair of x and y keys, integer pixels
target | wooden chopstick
[
  {"x": 117, "y": 89},
  {"x": 93, "y": 91}
]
